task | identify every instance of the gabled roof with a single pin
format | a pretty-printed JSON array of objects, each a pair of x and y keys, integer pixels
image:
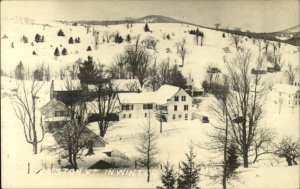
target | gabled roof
[
  {"x": 51, "y": 105},
  {"x": 126, "y": 85},
  {"x": 161, "y": 96},
  {"x": 66, "y": 85},
  {"x": 285, "y": 88}
]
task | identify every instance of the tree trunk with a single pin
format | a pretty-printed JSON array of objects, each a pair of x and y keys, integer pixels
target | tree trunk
[
  {"x": 225, "y": 152},
  {"x": 74, "y": 162},
  {"x": 245, "y": 159},
  {"x": 289, "y": 161},
  {"x": 148, "y": 174},
  {"x": 34, "y": 144}
]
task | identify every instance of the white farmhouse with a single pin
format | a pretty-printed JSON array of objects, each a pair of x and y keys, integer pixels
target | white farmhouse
[
  {"x": 287, "y": 94},
  {"x": 172, "y": 102}
]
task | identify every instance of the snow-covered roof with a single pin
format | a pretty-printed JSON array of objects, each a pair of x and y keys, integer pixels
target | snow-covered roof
[
  {"x": 66, "y": 85},
  {"x": 161, "y": 96},
  {"x": 285, "y": 88},
  {"x": 54, "y": 119},
  {"x": 165, "y": 92},
  {"x": 126, "y": 85},
  {"x": 50, "y": 105}
]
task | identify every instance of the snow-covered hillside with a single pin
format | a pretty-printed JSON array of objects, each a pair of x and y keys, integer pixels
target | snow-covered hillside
[
  {"x": 176, "y": 137},
  {"x": 197, "y": 59}
]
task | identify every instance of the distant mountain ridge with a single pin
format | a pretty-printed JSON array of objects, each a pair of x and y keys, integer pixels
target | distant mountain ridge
[{"x": 290, "y": 35}]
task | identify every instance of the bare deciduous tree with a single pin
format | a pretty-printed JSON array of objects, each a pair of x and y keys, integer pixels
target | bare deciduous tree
[
  {"x": 138, "y": 61},
  {"x": 236, "y": 39},
  {"x": 182, "y": 50},
  {"x": 107, "y": 35},
  {"x": 290, "y": 74},
  {"x": 73, "y": 137},
  {"x": 147, "y": 148},
  {"x": 217, "y": 25},
  {"x": 288, "y": 149},
  {"x": 74, "y": 69},
  {"x": 25, "y": 104},
  {"x": 245, "y": 108}
]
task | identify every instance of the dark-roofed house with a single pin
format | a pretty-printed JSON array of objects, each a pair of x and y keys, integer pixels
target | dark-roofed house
[
  {"x": 66, "y": 91},
  {"x": 54, "y": 114}
]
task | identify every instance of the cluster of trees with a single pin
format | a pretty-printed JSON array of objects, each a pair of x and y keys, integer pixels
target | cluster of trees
[
  {"x": 60, "y": 33},
  {"x": 197, "y": 34},
  {"x": 118, "y": 38},
  {"x": 63, "y": 52},
  {"x": 211, "y": 83},
  {"x": 72, "y": 41},
  {"x": 238, "y": 110},
  {"x": 137, "y": 62},
  {"x": 187, "y": 177},
  {"x": 39, "y": 38},
  {"x": 150, "y": 42}
]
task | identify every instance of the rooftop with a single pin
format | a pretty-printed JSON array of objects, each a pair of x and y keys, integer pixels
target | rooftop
[{"x": 161, "y": 96}]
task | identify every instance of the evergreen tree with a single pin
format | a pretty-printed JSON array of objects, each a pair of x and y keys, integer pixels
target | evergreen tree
[
  {"x": 223, "y": 35},
  {"x": 78, "y": 40},
  {"x": 89, "y": 48},
  {"x": 64, "y": 51},
  {"x": 146, "y": 28},
  {"x": 168, "y": 176},
  {"x": 176, "y": 78},
  {"x": 60, "y": 33},
  {"x": 33, "y": 53},
  {"x": 117, "y": 38},
  {"x": 42, "y": 39},
  {"x": 37, "y": 38},
  {"x": 19, "y": 71},
  {"x": 232, "y": 161},
  {"x": 24, "y": 39},
  {"x": 38, "y": 74},
  {"x": 189, "y": 177},
  {"x": 128, "y": 38},
  {"x": 168, "y": 37},
  {"x": 56, "y": 52},
  {"x": 89, "y": 73},
  {"x": 71, "y": 41},
  {"x": 120, "y": 40}
]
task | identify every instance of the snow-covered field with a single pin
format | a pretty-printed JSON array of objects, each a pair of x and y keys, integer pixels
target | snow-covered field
[{"x": 176, "y": 136}]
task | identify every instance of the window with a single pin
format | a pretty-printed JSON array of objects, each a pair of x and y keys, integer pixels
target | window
[
  {"x": 175, "y": 107},
  {"x": 186, "y": 107},
  {"x": 147, "y": 106},
  {"x": 183, "y": 98},
  {"x": 179, "y": 116},
  {"x": 186, "y": 116},
  {"x": 176, "y": 98},
  {"x": 124, "y": 116},
  {"x": 127, "y": 106},
  {"x": 129, "y": 115},
  {"x": 145, "y": 114},
  {"x": 60, "y": 113},
  {"x": 174, "y": 116},
  {"x": 164, "y": 108}
]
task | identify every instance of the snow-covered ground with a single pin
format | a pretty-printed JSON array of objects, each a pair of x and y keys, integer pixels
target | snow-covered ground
[{"x": 176, "y": 136}]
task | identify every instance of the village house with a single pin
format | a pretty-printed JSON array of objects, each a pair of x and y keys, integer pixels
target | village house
[
  {"x": 288, "y": 95},
  {"x": 54, "y": 114},
  {"x": 170, "y": 101}
]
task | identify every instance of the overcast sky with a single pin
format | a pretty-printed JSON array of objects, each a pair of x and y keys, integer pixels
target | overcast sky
[{"x": 254, "y": 15}]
